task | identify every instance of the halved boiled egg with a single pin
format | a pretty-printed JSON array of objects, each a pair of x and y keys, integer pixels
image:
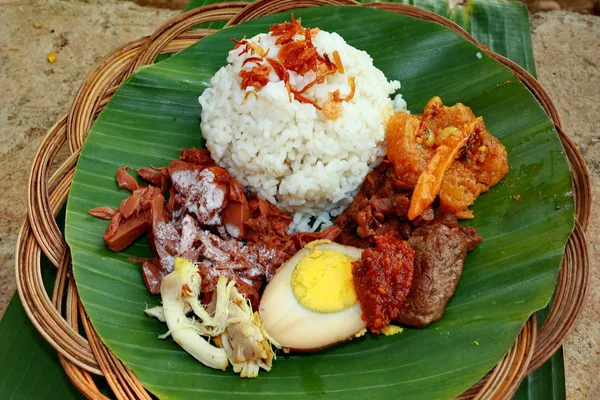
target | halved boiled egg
[{"x": 310, "y": 303}]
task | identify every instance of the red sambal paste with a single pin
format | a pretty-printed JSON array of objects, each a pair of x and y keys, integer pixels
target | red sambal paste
[{"x": 382, "y": 279}]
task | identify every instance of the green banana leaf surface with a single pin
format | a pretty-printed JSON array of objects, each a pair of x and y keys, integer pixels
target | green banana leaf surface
[
  {"x": 501, "y": 25},
  {"x": 548, "y": 381},
  {"x": 511, "y": 275},
  {"x": 29, "y": 366}
]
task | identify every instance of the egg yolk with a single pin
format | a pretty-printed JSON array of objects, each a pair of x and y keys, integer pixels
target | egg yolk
[{"x": 322, "y": 281}]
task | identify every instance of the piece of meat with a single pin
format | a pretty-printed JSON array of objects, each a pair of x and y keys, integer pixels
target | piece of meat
[
  {"x": 469, "y": 233},
  {"x": 197, "y": 157},
  {"x": 440, "y": 254},
  {"x": 380, "y": 207}
]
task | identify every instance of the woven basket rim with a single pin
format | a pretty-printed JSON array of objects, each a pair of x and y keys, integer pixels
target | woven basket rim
[{"x": 58, "y": 318}]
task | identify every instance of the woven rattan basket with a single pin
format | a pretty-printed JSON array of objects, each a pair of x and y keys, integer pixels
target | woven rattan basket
[{"x": 58, "y": 318}]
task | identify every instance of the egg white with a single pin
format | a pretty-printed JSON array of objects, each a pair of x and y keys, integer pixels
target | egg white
[{"x": 297, "y": 328}]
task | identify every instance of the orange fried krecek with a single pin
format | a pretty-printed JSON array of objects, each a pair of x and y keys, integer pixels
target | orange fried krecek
[{"x": 445, "y": 152}]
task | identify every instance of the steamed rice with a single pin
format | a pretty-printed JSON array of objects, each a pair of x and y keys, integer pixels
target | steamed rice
[{"x": 289, "y": 152}]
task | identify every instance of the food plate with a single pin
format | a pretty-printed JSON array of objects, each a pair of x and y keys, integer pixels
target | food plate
[{"x": 525, "y": 220}]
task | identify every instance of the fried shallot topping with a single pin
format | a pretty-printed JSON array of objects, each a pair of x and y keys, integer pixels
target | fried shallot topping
[
  {"x": 257, "y": 77},
  {"x": 338, "y": 61},
  {"x": 298, "y": 54},
  {"x": 287, "y": 30},
  {"x": 331, "y": 107}
]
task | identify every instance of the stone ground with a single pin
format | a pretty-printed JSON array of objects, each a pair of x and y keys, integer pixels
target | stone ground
[
  {"x": 578, "y": 6},
  {"x": 36, "y": 93},
  {"x": 567, "y": 55}
]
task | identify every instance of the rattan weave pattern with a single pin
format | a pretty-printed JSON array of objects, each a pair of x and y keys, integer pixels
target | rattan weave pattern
[{"x": 57, "y": 318}]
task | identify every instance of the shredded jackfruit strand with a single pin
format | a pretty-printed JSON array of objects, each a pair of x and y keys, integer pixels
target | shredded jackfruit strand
[
  {"x": 156, "y": 312},
  {"x": 239, "y": 335}
]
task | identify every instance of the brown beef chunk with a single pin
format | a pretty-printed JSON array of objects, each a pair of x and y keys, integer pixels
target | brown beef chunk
[{"x": 441, "y": 251}]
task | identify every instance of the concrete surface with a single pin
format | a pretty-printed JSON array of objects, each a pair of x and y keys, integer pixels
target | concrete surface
[
  {"x": 579, "y": 6},
  {"x": 36, "y": 93},
  {"x": 567, "y": 55}
]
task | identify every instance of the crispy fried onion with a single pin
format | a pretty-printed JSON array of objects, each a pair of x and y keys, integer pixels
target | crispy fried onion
[
  {"x": 298, "y": 55},
  {"x": 239, "y": 43},
  {"x": 332, "y": 108},
  {"x": 286, "y": 31},
  {"x": 257, "y": 77},
  {"x": 256, "y": 60}
]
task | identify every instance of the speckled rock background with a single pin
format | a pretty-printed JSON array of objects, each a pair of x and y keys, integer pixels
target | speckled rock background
[
  {"x": 36, "y": 93},
  {"x": 567, "y": 55}
]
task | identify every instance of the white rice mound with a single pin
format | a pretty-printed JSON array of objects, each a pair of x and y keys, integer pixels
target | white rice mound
[{"x": 289, "y": 153}]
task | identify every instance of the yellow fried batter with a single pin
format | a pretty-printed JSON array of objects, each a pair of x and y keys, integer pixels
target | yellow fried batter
[{"x": 446, "y": 151}]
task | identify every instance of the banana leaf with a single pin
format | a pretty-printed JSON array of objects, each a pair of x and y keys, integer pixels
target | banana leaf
[
  {"x": 545, "y": 383},
  {"x": 501, "y": 25},
  {"x": 548, "y": 381},
  {"x": 29, "y": 366},
  {"x": 511, "y": 275},
  {"x": 199, "y": 3}
]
